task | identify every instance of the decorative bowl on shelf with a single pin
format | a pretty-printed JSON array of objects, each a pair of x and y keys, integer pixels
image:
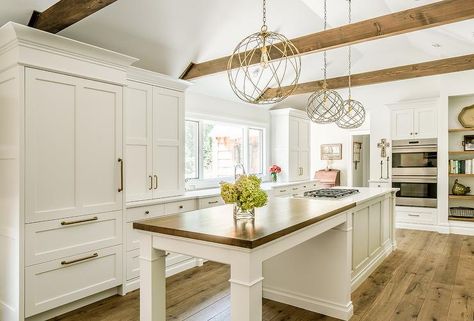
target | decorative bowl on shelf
[
  {"x": 466, "y": 117},
  {"x": 460, "y": 189}
]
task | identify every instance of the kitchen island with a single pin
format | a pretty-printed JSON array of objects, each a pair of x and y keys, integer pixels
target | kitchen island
[{"x": 305, "y": 252}]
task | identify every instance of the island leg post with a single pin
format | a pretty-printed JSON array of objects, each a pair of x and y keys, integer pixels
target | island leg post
[
  {"x": 246, "y": 289},
  {"x": 152, "y": 280}
]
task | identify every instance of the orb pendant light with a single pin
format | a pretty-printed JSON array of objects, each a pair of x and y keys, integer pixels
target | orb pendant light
[
  {"x": 261, "y": 61},
  {"x": 324, "y": 105},
  {"x": 353, "y": 111}
]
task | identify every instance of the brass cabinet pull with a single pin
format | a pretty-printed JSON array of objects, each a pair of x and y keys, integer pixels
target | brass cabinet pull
[
  {"x": 156, "y": 181},
  {"x": 414, "y": 215},
  {"x": 95, "y": 218},
  {"x": 213, "y": 202},
  {"x": 151, "y": 182},
  {"x": 295, "y": 188},
  {"x": 121, "y": 175},
  {"x": 80, "y": 260},
  {"x": 282, "y": 190}
]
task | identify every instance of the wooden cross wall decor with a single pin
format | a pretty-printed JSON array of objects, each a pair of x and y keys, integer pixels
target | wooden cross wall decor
[{"x": 383, "y": 145}]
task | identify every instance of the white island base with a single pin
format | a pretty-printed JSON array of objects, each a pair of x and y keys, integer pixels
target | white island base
[{"x": 313, "y": 266}]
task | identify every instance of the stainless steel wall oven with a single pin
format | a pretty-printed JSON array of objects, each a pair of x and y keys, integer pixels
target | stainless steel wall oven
[{"x": 415, "y": 171}]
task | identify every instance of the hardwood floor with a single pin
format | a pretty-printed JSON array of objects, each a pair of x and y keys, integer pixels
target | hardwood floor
[{"x": 429, "y": 278}]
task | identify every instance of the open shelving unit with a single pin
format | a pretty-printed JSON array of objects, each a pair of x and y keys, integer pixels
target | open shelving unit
[{"x": 456, "y": 152}]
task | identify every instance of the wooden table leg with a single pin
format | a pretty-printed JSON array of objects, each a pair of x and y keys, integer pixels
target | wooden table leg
[
  {"x": 152, "y": 280},
  {"x": 246, "y": 289}
]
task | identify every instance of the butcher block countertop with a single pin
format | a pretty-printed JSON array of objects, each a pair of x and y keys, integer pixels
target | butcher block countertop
[{"x": 282, "y": 216}]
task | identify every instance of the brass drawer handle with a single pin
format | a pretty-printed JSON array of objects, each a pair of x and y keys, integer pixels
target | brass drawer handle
[
  {"x": 151, "y": 182},
  {"x": 282, "y": 190},
  {"x": 121, "y": 175},
  {"x": 295, "y": 188},
  {"x": 213, "y": 202},
  {"x": 414, "y": 215},
  {"x": 95, "y": 218},
  {"x": 80, "y": 260},
  {"x": 156, "y": 181}
]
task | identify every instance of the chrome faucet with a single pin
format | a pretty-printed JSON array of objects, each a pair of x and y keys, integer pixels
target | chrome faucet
[{"x": 236, "y": 166}]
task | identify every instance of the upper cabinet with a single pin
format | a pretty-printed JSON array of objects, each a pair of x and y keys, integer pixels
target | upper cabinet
[
  {"x": 415, "y": 119},
  {"x": 291, "y": 144},
  {"x": 154, "y": 126}
]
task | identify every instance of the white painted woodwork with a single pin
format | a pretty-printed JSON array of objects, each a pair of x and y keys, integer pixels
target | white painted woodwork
[
  {"x": 210, "y": 202},
  {"x": 416, "y": 216},
  {"x": 49, "y": 240},
  {"x": 139, "y": 141},
  {"x": 144, "y": 212},
  {"x": 168, "y": 142},
  {"x": 415, "y": 119},
  {"x": 72, "y": 163},
  {"x": 133, "y": 264},
  {"x": 71, "y": 282},
  {"x": 154, "y": 136},
  {"x": 291, "y": 144},
  {"x": 180, "y": 207}
]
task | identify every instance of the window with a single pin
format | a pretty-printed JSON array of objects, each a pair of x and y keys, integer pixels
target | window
[{"x": 213, "y": 148}]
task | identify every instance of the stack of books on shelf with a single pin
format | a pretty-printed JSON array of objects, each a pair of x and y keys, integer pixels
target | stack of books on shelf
[{"x": 461, "y": 166}]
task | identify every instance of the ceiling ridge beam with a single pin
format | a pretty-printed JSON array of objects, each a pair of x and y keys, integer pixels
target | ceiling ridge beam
[
  {"x": 65, "y": 13},
  {"x": 424, "y": 69},
  {"x": 428, "y": 16}
]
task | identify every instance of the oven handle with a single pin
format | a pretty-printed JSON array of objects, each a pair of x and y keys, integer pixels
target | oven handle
[
  {"x": 414, "y": 179},
  {"x": 417, "y": 149}
]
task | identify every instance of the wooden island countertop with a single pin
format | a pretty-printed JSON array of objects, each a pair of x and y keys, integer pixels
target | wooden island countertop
[{"x": 280, "y": 217}]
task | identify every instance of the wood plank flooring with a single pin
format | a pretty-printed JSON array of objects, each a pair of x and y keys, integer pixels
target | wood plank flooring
[{"x": 429, "y": 278}]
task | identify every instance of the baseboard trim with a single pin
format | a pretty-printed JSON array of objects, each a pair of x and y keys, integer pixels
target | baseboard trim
[
  {"x": 363, "y": 274},
  {"x": 461, "y": 229},
  {"x": 420, "y": 227},
  {"x": 331, "y": 309}
]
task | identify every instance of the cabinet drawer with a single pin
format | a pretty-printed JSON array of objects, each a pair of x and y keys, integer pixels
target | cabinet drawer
[
  {"x": 46, "y": 241},
  {"x": 416, "y": 217},
  {"x": 133, "y": 264},
  {"x": 55, "y": 283},
  {"x": 132, "y": 237},
  {"x": 144, "y": 212},
  {"x": 379, "y": 185},
  {"x": 210, "y": 202},
  {"x": 281, "y": 191},
  {"x": 179, "y": 207}
]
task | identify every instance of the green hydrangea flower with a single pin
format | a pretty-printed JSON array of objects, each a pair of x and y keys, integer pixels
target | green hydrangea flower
[{"x": 246, "y": 192}]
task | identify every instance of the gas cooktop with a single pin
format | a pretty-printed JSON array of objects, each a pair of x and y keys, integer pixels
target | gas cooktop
[{"x": 331, "y": 193}]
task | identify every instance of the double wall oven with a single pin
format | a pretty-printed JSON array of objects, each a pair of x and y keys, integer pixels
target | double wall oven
[{"x": 415, "y": 172}]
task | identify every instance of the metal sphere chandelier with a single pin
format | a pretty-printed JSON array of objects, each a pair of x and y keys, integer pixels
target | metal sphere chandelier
[
  {"x": 353, "y": 111},
  {"x": 262, "y": 60},
  {"x": 324, "y": 105}
]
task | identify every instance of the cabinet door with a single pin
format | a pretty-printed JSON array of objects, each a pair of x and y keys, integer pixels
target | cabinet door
[
  {"x": 304, "y": 148},
  {"x": 139, "y": 141},
  {"x": 426, "y": 123},
  {"x": 168, "y": 143},
  {"x": 402, "y": 124},
  {"x": 294, "y": 171},
  {"x": 73, "y": 142},
  {"x": 99, "y": 147}
]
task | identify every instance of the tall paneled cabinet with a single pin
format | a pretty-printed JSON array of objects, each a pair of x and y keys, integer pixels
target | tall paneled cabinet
[
  {"x": 154, "y": 136},
  {"x": 291, "y": 140},
  {"x": 62, "y": 171}
]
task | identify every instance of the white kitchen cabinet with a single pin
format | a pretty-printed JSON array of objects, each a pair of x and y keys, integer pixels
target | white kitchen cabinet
[
  {"x": 291, "y": 144},
  {"x": 61, "y": 165},
  {"x": 154, "y": 136},
  {"x": 74, "y": 158},
  {"x": 415, "y": 119}
]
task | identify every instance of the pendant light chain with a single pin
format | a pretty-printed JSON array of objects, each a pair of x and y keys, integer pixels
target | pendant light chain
[
  {"x": 325, "y": 52},
  {"x": 350, "y": 53},
  {"x": 264, "y": 26}
]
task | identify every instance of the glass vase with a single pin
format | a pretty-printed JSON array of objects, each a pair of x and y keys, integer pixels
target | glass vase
[
  {"x": 274, "y": 177},
  {"x": 240, "y": 213}
]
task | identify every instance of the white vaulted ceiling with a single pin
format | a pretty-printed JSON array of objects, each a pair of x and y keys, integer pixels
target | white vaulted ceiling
[{"x": 168, "y": 34}]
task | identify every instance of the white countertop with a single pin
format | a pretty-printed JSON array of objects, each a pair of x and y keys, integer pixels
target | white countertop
[{"x": 210, "y": 192}]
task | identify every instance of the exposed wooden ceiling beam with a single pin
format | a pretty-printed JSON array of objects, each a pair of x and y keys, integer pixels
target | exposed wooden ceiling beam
[
  {"x": 423, "y": 69},
  {"x": 65, "y": 13},
  {"x": 428, "y": 16}
]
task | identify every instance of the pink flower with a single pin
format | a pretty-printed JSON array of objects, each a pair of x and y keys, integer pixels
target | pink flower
[{"x": 275, "y": 169}]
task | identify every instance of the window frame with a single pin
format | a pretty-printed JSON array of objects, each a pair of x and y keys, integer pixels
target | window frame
[{"x": 200, "y": 182}]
